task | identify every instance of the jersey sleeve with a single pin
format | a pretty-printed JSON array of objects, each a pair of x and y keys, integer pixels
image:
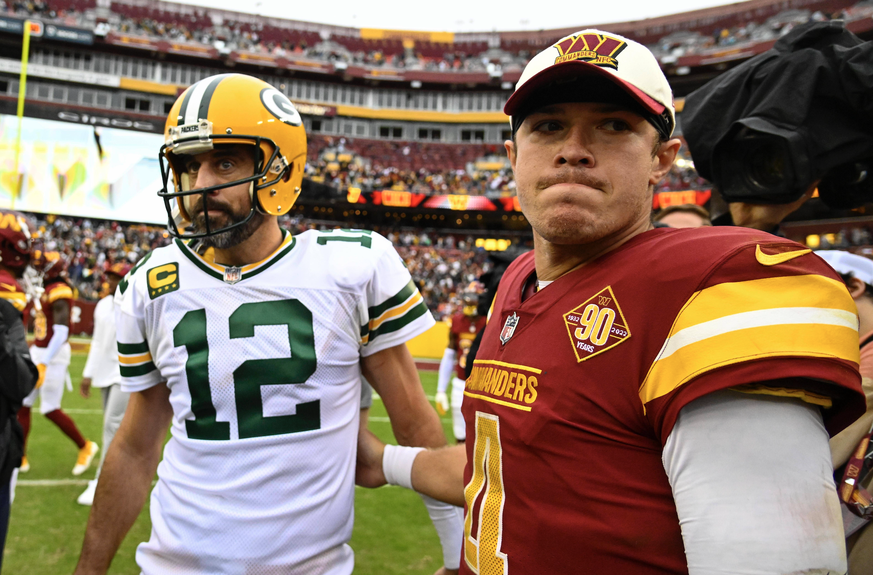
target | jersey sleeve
[
  {"x": 395, "y": 312},
  {"x": 762, "y": 324},
  {"x": 58, "y": 290},
  {"x": 138, "y": 371},
  {"x": 11, "y": 291}
]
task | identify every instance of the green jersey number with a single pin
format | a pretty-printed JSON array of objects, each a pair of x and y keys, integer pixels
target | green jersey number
[{"x": 253, "y": 373}]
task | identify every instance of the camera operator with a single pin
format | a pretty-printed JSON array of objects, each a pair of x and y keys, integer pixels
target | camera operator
[{"x": 794, "y": 119}]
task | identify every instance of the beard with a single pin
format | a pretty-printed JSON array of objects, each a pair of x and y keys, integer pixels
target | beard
[{"x": 229, "y": 238}]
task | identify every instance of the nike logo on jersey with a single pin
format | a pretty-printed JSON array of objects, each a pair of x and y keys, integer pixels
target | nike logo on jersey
[
  {"x": 8, "y": 287},
  {"x": 776, "y": 259}
]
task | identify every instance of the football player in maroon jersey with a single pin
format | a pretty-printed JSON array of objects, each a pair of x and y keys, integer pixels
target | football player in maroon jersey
[
  {"x": 464, "y": 326},
  {"x": 646, "y": 401},
  {"x": 51, "y": 353}
]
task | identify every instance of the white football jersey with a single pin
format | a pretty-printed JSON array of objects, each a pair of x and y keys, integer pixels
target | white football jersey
[{"x": 262, "y": 363}]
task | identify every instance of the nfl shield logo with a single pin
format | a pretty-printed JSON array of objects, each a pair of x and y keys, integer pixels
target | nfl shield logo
[
  {"x": 232, "y": 275},
  {"x": 508, "y": 328}
]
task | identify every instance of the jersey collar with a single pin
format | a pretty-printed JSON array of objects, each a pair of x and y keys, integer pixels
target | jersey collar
[{"x": 221, "y": 272}]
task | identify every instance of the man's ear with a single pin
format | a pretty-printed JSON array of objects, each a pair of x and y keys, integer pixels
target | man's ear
[
  {"x": 510, "y": 153},
  {"x": 663, "y": 160},
  {"x": 857, "y": 288}
]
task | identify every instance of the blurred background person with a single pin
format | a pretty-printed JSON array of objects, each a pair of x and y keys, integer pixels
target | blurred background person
[
  {"x": 51, "y": 353},
  {"x": 857, "y": 272},
  {"x": 102, "y": 370},
  {"x": 466, "y": 324},
  {"x": 684, "y": 216}
]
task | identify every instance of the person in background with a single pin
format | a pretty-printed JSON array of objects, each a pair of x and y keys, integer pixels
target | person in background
[
  {"x": 51, "y": 354},
  {"x": 102, "y": 370},
  {"x": 464, "y": 327},
  {"x": 857, "y": 273},
  {"x": 18, "y": 375},
  {"x": 684, "y": 216}
]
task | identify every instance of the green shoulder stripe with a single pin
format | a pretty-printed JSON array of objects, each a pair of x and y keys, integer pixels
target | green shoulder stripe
[
  {"x": 133, "y": 348},
  {"x": 393, "y": 301},
  {"x": 400, "y": 322},
  {"x": 137, "y": 370}
]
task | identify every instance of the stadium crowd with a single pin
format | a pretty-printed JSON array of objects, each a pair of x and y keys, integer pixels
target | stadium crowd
[
  {"x": 441, "y": 264},
  {"x": 427, "y": 168},
  {"x": 263, "y": 37}
]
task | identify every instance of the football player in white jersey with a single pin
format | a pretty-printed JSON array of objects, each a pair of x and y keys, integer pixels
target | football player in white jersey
[{"x": 253, "y": 357}]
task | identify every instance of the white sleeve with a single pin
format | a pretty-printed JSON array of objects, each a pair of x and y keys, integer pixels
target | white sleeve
[
  {"x": 752, "y": 480},
  {"x": 447, "y": 368},
  {"x": 98, "y": 343},
  {"x": 138, "y": 371},
  {"x": 395, "y": 312}
]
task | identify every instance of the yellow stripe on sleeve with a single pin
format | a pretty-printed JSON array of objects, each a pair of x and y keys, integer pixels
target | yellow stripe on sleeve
[
  {"x": 134, "y": 359},
  {"x": 768, "y": 293},
  {"x": 397, "y": 311},
  {"x": 62, "y": 292},
  {"x": 17, "y": 299},
  {"x": 802, "y": 394},
  {"x": 731, "y": 323}
]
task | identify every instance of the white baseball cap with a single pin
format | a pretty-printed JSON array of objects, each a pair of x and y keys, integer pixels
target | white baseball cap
[
  {"x": 849, "y": 263},
  {"x": 629, "y": 64}
]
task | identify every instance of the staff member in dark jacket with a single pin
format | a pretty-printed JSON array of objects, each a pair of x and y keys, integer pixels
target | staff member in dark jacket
[{"x": 18, "y": 374}]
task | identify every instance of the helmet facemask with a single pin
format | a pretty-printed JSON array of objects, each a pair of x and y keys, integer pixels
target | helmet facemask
[{"x": 179, "y": 203}]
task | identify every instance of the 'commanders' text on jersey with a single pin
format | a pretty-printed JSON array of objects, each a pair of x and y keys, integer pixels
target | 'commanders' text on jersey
[
  {"x": 43, "y": 317},
  {"x": 464, "y": 329},
  {"x": 576, "y": 388},
  {"x": 263, "y": 367}
]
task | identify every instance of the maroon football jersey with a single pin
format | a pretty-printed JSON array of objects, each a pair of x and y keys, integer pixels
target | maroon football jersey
[
  {"x": 575, "y": 390},
  {"x": 43, "y": 319},
  {"x": 464, "y": 328},
  {"x": 11, "y": 290}
]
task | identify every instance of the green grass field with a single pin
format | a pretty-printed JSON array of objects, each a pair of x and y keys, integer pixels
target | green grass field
[{"x": 392, "y": 531}]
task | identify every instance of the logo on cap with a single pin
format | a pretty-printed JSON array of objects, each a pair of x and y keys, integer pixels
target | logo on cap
[{"x": 597, "y": 49}]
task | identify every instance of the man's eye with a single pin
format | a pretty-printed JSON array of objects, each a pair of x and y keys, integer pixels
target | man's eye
[
  {"x": 616, "y": 125},
  {"x": 548, "y": 126},
  {"x": 192, "y": 168}
]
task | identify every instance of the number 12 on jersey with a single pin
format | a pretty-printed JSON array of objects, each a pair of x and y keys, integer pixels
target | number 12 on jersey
[
  {"x": 248, "y": 378},
  {"x": 482, "y": 550}
]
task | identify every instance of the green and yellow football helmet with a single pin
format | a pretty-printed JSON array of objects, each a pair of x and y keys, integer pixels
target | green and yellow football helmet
[{"x": 233, "y": 109}]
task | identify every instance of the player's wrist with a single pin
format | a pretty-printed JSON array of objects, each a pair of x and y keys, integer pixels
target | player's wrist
[{"x": 397, "y": 461}]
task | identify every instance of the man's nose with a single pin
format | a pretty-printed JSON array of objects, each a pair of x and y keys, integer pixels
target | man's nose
[
  {"x": 575, "y": 150},
  {"x": 204, "y": 178}
]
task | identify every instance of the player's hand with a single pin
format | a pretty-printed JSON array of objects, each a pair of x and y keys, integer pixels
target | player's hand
[
  {"x": 444, "y": 571},
  {"x": 40, "y": 367},
  {"x": 765, "y": 217},
  {"x": 85, "y": 387},
  {"x": 368, "y": 472},
  {"x": 442, "y": 402}
]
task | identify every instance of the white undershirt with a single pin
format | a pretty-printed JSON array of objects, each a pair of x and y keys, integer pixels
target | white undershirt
[
  {"x": 753, "y": 485},
  {"x": 543, "y": 283}
]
